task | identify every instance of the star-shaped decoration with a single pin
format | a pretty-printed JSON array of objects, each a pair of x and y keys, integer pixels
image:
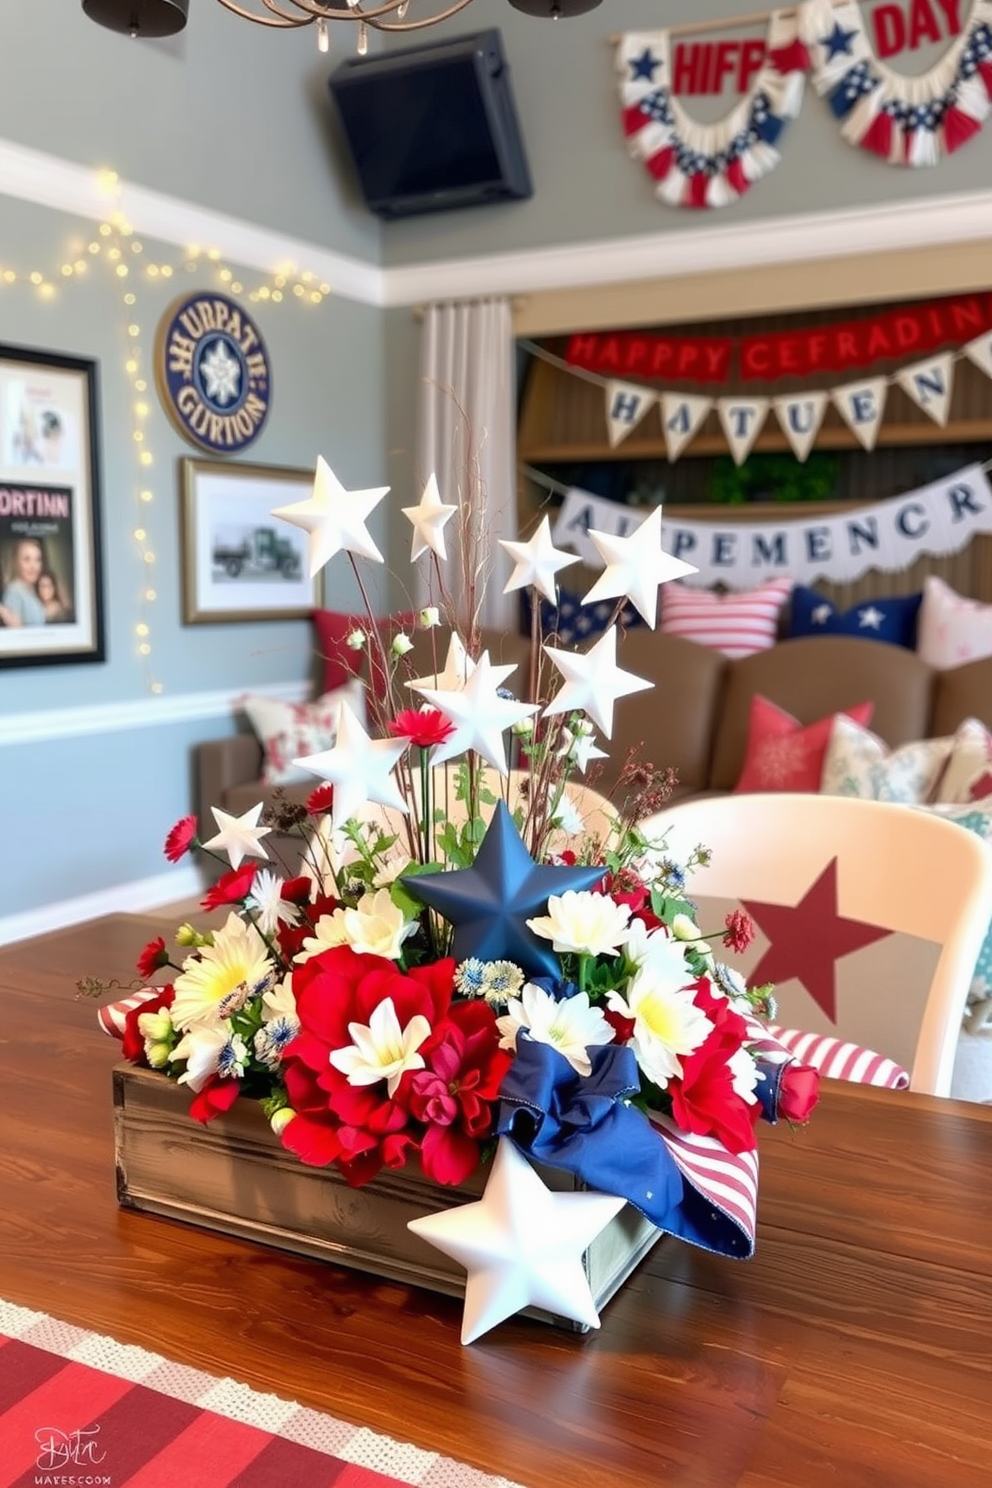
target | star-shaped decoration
[
  {"x": 636, "y": 566},
  {"x": 479, "y": 714},
  {"x": 838, "y": 43},
  {"x": 579, "y": 747},
  {"x": 870, "y": 618},
  {"x": 521, "y": 1244},
  {"x": 821, "y": 613},
  {"x": 458, "y": 667},
  {"x": 359, "y": 768},
  {"x": 428, "y": 518},
  {"x": 239, "y": 836},
  {"x": 537, "y": 561},
  {"x": 490, "y": 903},
  {"x": 593, "y": 681},
  {"x": 806, "y": 939},
  {"x": 645, "y": 66},
  {"x": 334, "y": 518}
]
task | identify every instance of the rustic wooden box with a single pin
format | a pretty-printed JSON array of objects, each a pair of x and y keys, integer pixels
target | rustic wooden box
[{"x": 234, "y": 1176}]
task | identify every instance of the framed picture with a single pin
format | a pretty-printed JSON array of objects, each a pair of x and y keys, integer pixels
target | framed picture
[
  {"x": 239, "y": 561},
  {"x": 51, "y": 592}
]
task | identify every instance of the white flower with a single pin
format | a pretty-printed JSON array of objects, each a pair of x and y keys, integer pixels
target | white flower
[
  {"x": 375, "y": 927},
  {"x": 429, "y": 617},
  {"x": 744, "y": 1075},
  {"x": 401, "y": 644},
  {"x": 279, "y": 1001},
  {"x": 154, "y": 1027},
  {"x": 355, "y": 639},
  {"x": 221, "y": 977},
  {"x": 684, "y": 928},
  {"x": 201, "y": 1048},
  {"x": 667, "y": 1022},
  {"x": 571, "y": 1026},
  {"x": 568, "y": 816},
  {"x": 267, "y": 904},
  {"x": 383, "y": 1050},
  {"x": 589, "y": 924}
]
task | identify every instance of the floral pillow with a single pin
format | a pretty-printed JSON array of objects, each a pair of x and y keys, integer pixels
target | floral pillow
[
  {"x": 859, "y": 763},
  {"x": 952, "y": 630},
  {"x": 287, "y": 731},
  {"x": 968, "y": 776},
  {"x": 784, "y": 755}
]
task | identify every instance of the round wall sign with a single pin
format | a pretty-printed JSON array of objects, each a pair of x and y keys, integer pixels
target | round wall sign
[{"x": 213, "y": 372}]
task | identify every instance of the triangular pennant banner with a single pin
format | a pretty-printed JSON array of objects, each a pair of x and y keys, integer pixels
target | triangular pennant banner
[
  {"x": 979, "y": 351},
  {"x": 742, "y": 419},
  {"x": 860, "y": 405},
  {"x": 626, "y": 405},
  {"x": 930, "y": 385},
  {"x": 801, "y": 416},
  {"x": 681, "y": 415}
]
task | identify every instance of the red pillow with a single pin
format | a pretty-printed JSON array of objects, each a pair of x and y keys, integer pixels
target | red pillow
[
  {"x": 341, "y": 661},
  {"x": 784, "y": 755}
]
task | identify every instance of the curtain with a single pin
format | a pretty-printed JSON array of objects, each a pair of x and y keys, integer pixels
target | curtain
[{"x": 467, "y": 437}]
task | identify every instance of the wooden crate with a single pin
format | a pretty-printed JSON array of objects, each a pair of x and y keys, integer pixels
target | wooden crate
[{"x": 234, "y": 1176}]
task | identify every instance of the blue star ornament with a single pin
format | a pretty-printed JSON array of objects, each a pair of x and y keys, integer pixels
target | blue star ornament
[
  {"x": 839, "y": 42},
  {"x": 489, "y": 904},
  {"x": 645, "y": 66}
]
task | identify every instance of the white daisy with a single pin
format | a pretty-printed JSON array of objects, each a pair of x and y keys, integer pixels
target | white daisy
[
  {"x": 667, "y": 1023},
  {"x": 588, "y": 924},
  {"x": 267, "y": 904},
  {"x": 571, "y": 1026},
  {"x": 221, "y": 977}
]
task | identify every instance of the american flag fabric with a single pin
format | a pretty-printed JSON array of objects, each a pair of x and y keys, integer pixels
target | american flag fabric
[
  {"x": 113, "y": 1017},
  {"x": 738, "y": 623},
  {"x": 76, "y": 1407},
  {"x": 720, "y": 1200},
  {"x": 837, "y": 1060}
]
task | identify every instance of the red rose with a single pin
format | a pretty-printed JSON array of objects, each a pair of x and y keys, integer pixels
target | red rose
[
  {"x": 798, "y": 1091},
  {"x": 321, "y": 799},
  {"x": 216, "y": 1097},
  {"x": 180, "y": 839},
  {"x": 231, "y": 888},
  {"x": 422, "y": 727},
  {"x": 704, "y": 1100},
  {"x": 132, "y": 1042},
  {"x": 296, "y": 890},
  {"x": 453, "y": 1097},
  {"x": 152, "y": 958}
]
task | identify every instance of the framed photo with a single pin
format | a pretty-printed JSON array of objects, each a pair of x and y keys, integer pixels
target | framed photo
[
  {"x": 239, "y": 561},
  {"x": 51, "y": 592}
]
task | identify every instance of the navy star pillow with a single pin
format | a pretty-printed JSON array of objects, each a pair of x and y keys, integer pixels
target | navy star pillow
[{"x": 891, "y": 619}]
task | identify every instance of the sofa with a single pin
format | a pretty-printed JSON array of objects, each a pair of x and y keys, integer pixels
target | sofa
[{"x": 696, "y": 718}]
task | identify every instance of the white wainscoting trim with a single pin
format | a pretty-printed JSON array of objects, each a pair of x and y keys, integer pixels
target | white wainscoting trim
[
  {"x": 146, "y": 712},
  {"x": 50, "y": 181},
  {"x": 128, "y": 898}
]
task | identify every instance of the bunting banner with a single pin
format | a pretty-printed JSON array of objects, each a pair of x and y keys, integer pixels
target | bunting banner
[
  {"x": 681, "y": 417},
  {"x": 741, "y": 420},
  {"x": 937, "y": 519},
  {"x": 626, "y": 405},
  {"x": 911, "y": 120},
  {"x": 930, "y": 384},
  {"x": 800, "y": 419}
]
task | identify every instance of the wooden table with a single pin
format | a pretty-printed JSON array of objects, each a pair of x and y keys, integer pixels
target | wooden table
[{"x": 856, "y": 1348}]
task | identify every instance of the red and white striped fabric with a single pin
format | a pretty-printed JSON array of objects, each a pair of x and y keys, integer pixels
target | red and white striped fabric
[
  {"x": 112, "y": 1017},
  {"x": 837, "y": 1060},
  {"x": 739, "y": 624},
  {"x": 726, "y": 1181}
]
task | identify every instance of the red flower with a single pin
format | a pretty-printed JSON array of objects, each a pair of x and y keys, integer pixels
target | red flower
[
  {"x": 296, "y": 890},
  {"x": 180, "y": 839},
  {"x": 216, "y": 1097},
  {"x": 133, "y": 1042},
  {"x": 152, "y": 958},
  {"x": 704, "y": 1100},
  {"x": 422, "y": 728},
  {"x": 321, "y": 799},
  {"x": 231, "y": 888},
  {"x": 798, "y": 1092},
  {"x": 739, "y": 932},
  {"x": 453, "y": 1096}
]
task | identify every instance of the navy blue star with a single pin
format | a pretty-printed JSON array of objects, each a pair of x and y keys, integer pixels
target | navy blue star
[
  {"x": 839, "y": 42},
  {"x": 645, "y": 66},
  {"x": 490, "y": 903}
]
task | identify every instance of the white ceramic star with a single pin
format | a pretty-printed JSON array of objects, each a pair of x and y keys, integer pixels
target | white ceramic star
[
  {"x": 359, "y": 768},
  {"x": 521, "y": 1245},
  {"x": 537, "y": 561},
  {"x": 635, "y": 567},
  {"x": 427, "y": 519},
  {"x": 458, "y": 667},
  {"x": 870, "y": 618},
  {"x": 239, "y": 836},
  {"x": 593, "y": 681},
  {"x": 580, "y": 747},
  {"x": 479, "y": 715},
  {"x": 334, "y": 518}
]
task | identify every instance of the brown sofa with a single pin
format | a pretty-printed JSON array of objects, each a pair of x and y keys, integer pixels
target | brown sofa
[{"x": 696, "y": 717}]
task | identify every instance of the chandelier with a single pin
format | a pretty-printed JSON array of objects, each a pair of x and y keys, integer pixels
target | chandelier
[{"x": 152, "y": 18}]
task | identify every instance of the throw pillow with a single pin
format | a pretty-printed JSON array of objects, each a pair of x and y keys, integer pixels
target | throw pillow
[
  {"x": 784, "y": 755},
  {"x": 286, "y": 731},
  {"x": 968, "y": 776},
  {"x": 859, "y": 763},
  {"x": 738, "y": 624},
  {"x": 975, "y": 818},
  {"x": 891, "y": 619},
  {"x": 952, "y": 629}
]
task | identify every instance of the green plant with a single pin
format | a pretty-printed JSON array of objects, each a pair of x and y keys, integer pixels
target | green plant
[{"x": 773, "y": 478}]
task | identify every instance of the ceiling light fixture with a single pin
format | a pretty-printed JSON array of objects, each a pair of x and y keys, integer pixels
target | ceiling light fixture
[{"x": 151, "y": 18}]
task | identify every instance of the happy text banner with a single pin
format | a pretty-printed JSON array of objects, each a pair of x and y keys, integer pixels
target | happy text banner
[{"x": 888, "y": 535}]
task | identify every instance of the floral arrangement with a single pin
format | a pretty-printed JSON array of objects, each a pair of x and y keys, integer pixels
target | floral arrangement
[{"x": 466, "y": 951}]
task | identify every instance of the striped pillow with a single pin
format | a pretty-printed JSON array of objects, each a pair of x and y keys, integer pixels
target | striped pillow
[{"x": 738, "y": 623}]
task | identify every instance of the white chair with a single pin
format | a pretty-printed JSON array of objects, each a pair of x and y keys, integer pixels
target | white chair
[{"x": 907, "y": 870}]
